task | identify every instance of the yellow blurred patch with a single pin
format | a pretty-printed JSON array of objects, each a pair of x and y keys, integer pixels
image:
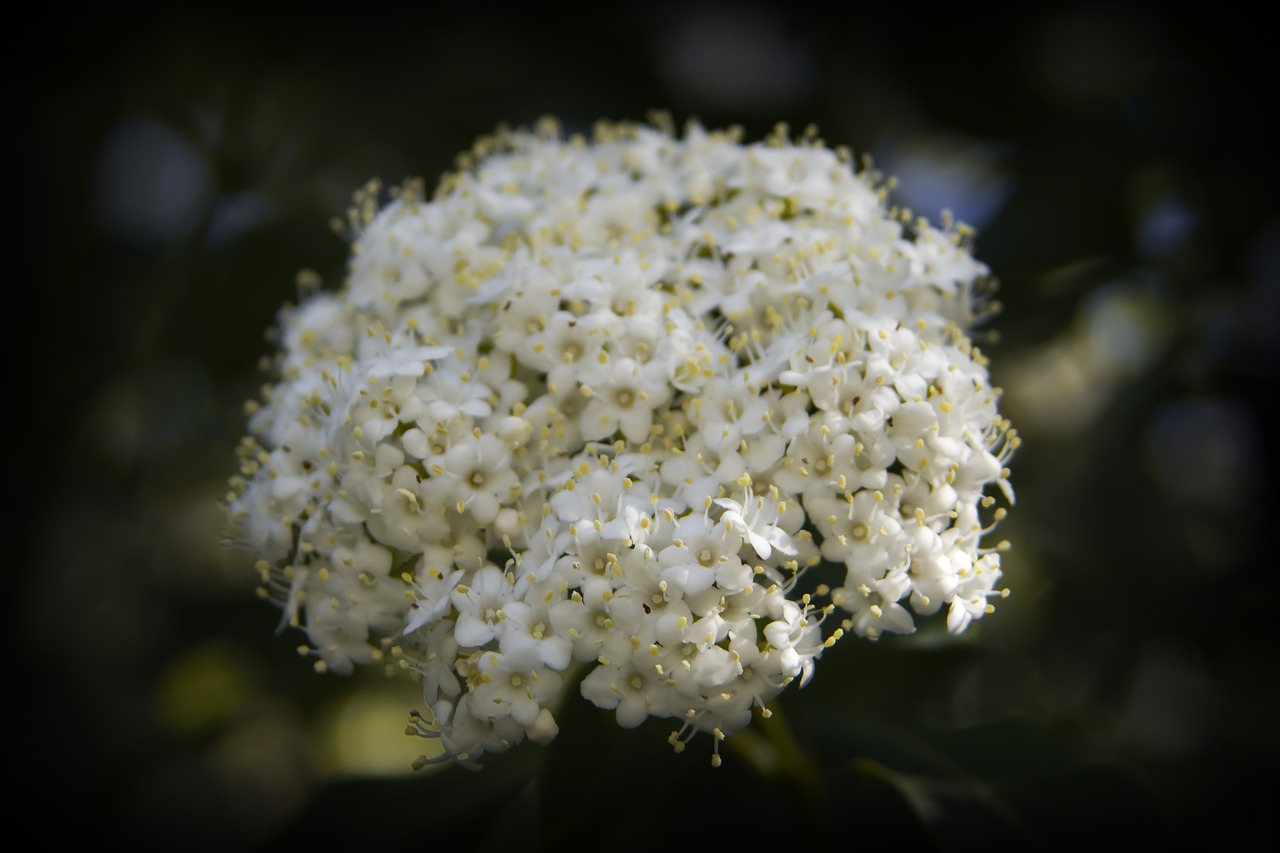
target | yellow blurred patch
[
  {"x": 362, "y": 734},
  {"x": 204, "y": 687}
]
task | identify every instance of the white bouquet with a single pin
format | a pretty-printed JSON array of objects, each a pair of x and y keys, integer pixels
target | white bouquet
[{"x": 666, "y": 411}]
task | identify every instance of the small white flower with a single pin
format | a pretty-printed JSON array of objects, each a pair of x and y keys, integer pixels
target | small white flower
[
  {"x": 529, "y": 637},
  {"x": 703, "y": 553},
  {"x": 754, "y": 519},
  {"x": 480, "y": 603},
  {"x": 431, "y": 598},
  {"x": 632, "y": 695},
  {"x": 475, "y": 475},
  {"x": 624, "y": 400},
  {"x": 514, "y": 686}
]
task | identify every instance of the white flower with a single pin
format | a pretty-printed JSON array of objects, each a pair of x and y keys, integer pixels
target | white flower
[
  {"x": 702, "y": 553},
  {"x": 529, "y": 637},
  {"x": 513, "y": 685},
  {"x": 630, "y": 693},
  {"x": 624, "y": 400},
  {"x": 431, "y": 597},
  {"x": 475, "y": 475},
  {"x": 754, "y": 519},
  {"x": 603, "y": 404},
  {"x": 479, "y": 606}
]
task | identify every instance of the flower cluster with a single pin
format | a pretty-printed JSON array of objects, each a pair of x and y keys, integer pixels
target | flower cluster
[{"x": 659, "y": 412}]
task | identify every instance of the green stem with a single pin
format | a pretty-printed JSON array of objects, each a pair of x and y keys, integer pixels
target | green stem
[{"x": 770, "y": 746}]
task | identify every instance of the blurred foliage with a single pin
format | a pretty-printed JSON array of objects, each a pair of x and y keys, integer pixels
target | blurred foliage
[{"x": 172, "y": 174}]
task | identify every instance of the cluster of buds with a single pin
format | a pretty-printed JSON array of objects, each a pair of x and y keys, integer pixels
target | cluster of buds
[{"x": 658, "y": 413}]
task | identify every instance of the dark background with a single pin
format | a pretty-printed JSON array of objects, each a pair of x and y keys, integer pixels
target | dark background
[{"x": 169, "y": 176}]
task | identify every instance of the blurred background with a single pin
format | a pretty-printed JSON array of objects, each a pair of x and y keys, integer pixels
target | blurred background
[{"x": 170, "y": 176}]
